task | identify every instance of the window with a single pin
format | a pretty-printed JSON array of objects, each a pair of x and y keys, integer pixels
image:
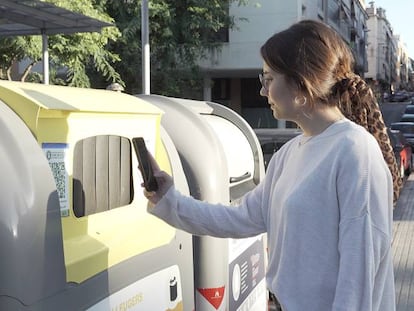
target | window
[
  {"x": 221, "y": 89},
  {"x": 255, "y": 108},
  {"x": 222, "y": 35}
]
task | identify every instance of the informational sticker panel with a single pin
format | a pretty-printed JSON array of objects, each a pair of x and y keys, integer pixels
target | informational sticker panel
[
  {"x": 247, "y": 283},
  {"x": 56, "y": 155},
  {"x": 160, "y": 291}
]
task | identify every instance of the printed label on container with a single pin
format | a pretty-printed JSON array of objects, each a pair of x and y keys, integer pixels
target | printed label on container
[
  {"x": 56, "y": 156},
  {"x": 160, "y": 291}
]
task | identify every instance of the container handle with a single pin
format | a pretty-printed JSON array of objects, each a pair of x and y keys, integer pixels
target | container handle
[{"x": 240, "y": 178}]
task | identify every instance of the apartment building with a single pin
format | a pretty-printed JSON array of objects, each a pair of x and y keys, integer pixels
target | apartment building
[
  {"x": 231, "y": 74},
  {"x": 381, "y": 51},
  {"x": 390, "y": 68},
  {"x": 402, "y": 65}
]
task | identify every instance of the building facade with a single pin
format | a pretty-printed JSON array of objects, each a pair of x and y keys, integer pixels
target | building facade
[
  {"x": 382, "y": 52},
  {"x": 402, "y": 66},
  {"x": 231, "y": 74}
]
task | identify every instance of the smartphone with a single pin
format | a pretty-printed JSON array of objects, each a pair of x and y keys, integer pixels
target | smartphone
[{"x": 150, "y": 183}]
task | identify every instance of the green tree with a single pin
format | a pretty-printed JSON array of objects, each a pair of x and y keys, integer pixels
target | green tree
[
  {"x": 14, "y": 49},
  {"x": 72, "y": 53},
  {"x": 181, "y": 32}
]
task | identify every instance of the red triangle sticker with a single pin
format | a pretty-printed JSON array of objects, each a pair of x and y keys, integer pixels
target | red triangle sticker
[{"x": 213, "y": 295}]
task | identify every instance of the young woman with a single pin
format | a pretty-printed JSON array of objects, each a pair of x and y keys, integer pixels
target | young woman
[{"x": 326, "y": 201}]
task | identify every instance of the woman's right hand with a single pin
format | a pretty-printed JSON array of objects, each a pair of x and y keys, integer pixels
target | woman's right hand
[{"x": 164, "y": 182}]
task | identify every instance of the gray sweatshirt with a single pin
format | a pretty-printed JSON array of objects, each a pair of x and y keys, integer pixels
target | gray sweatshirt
[{"x": 326, "y": 205}]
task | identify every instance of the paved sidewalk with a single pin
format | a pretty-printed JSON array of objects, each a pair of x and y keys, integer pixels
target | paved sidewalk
[{"x": 403, "y": 247}]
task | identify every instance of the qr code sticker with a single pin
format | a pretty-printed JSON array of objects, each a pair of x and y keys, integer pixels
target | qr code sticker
[
  {"x": 56, "y": 155},
  {"x": 59, "y": 173}
]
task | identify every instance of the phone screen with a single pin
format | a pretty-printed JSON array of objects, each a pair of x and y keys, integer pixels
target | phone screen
[{"x": 150, "y": 183}]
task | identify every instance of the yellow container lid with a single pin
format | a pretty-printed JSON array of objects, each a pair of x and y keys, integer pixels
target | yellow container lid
[
  {"x": 31, "y": 100},
  {"x": 56, "y": 97}
]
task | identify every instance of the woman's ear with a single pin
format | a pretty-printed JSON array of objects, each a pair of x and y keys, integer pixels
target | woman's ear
[{"x": 300, "y": 101}]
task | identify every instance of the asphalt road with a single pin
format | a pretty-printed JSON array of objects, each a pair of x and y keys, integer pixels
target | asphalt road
[{"x": 393, "y": 111}]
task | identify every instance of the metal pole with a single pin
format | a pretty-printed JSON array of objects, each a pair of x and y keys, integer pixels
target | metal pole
[
  {"x": 325, "y": 11},
  {"x": 45, "y": 52},
  {"x": 146, "y": 86}
]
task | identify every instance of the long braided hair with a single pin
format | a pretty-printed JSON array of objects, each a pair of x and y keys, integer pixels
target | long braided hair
[{"x": 358, "y": 103}]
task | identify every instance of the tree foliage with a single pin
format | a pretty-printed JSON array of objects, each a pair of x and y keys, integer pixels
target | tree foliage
[
  {"x": 69, "y": 54},
  {"x": 181, "y": 32}
]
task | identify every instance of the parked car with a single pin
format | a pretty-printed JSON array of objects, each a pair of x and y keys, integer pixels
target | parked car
[
  {"x": 409, "y": 109},
  {"x": 402, "y": 151},
  {"x": 399, "y": 96},
  {"x": 407, "y": 129},
  {"x": 272, "y": 139},
  {"x": 407, "y": 117}
]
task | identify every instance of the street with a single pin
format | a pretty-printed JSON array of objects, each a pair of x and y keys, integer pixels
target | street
[
  {"x": 392, "y": 112},
  {"x": 403, "y": 247}
]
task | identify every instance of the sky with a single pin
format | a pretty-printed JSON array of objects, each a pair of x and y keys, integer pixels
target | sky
[{"x": 400, "y": 14}]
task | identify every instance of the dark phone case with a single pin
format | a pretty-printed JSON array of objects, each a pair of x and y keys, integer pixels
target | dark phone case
[{"x": 150, "y": 183}]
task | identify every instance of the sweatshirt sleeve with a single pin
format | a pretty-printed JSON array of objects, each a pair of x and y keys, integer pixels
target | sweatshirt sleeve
[
  {"x": 202, "y": 218},
  {"x": 362, "y": 248},
  {"x": 364, "y": 188}
]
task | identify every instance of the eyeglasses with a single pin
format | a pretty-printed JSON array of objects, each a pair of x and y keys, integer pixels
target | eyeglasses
[{"x": 265, "y": 81}]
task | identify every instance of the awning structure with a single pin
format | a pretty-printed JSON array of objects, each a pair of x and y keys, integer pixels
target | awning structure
[{"x": 34, "y": 17}]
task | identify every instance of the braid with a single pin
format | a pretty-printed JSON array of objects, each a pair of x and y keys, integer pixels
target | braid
[
  {"x": 354, "y": 98},
  {"x": 357, "y": 103}
]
